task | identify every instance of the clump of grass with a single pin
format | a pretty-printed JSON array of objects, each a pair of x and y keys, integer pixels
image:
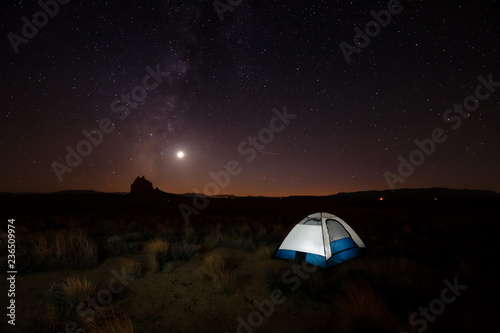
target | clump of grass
[
  {"x": 64, "y": 297},
  {"x": 190, "y": 235},
  {"x": 317, "y": 283},
  {"x": 62, "y": 301},
  {"x": 277, "y": 233},
  {"x": 132, "y": 266},
  {"x": 110, "y": 322},
  {"x": 116, "y": 244},
  {"x": 275, "y": 279},
  {"x": 362, "y": 309},
  {"x": 155, "y": 254},
  {"x": 314, "y": 281},
  {"x": 75, "y": 248},
  {"x": 265, "y": 251},
  {"x": 52, "y": 319},
  {"x": 232, "y": 235},
  {"x": 182, "y": 251},
  {"x": 71, "y": 249},
  {"x": 222, "y": 272},
  {"x": 40, "y": 249},
  {"x": 259, "y": 232}
]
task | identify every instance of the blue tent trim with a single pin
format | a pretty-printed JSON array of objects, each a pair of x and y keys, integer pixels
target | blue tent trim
[
  {"x": 285, "y": 254},
  {"x": 344, "y": 256},
  {"x": 316, "y": 259},
  {"x": 342, "y": 250},
  {"x": 342, "y": 245}
]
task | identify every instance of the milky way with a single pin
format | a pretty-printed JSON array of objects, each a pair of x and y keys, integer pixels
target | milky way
[{"x": 357, "y": 117}]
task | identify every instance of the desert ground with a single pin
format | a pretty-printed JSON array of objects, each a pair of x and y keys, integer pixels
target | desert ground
[{"x": 90, "y": 262}]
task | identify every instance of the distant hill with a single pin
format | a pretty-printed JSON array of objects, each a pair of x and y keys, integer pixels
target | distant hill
[
  {"x": 157, "y": 201},
  {"x": 209, "y": 196},
  {"x": 436, "y": 193},
  {"x": 77, "y": 192}
]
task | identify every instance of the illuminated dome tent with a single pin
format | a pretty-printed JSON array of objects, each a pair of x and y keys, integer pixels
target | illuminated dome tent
[{"x": 323, "y": 240}]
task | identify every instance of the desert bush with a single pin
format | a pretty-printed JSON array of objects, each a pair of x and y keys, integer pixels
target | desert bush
[
  {"x": 259, "y": 232},
  {"x": 222, "y": 272},
  {"x": 231, "y": 235},
  {"x": 106, "y": 321},
  {"x": 64, "y": 297},
  {"x": 277, "y": 233},
  {"x": 116, "y": 244},
  {"x": 190, "y": 235},
  {"x": 317, "y": 283},
  {"x": 265, "y": 251},
  {"x": 111, "y": 225},
  {"x": 182, "y": 251},
  {"x": 314, "y": 282},
  {"x": 132, "y": 267},
  {"x": 274, "y": 279},
  {"x": 71, "y": 249},
  {"x": 378, "y": 290},
  {"x": 39, "y": 247},
  {"x": 110, "y": 321},
  {"x": 50, "y": 320},
  {"x": 404, "y": 283},
  {"x": 362, "y": 309},
  {"x": 155, "y": 254}
]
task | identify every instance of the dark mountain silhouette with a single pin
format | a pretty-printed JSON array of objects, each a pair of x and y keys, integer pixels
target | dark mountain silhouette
[
  {"x": 141, "y": 186},
  {"x": 143, "y": 198}
]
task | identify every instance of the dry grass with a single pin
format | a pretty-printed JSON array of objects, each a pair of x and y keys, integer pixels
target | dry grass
[
  {"x": 190, "y": 235},
  {"x": 110, "y": 322},
  {"x": 231, "y": 235},
  {"x": 362, "y": 310},
  {"x": 61, "y": 249},
  {"x": 221, "y": 271},
  {"x": 133, "y": 267},
  {"x": 155, "y": 254},
  {"x": 274, "y": 278},
  {"x": 64, "y": 297},
  {"x": 63, "y": 300},
  {"x": 116, "y": 244},
  {"x": 373, "y": 293},
  {"x": 317, "y": 283},
  {"x": 265, "y": 251},
  {"x": 52, "y": 319},
  {"x": 182, "y": 251}
]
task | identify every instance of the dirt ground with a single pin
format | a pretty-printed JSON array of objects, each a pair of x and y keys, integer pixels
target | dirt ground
[{"x": 153, "y": 273}]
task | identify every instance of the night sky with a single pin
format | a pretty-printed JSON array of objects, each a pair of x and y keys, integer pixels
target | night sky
[{"x": 221, "y": 81}]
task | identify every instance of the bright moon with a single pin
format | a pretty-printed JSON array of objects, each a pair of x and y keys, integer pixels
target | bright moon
[{"x": 180, "y": 154}]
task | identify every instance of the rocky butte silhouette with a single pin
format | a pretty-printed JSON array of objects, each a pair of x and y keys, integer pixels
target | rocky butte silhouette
[{"x": 141, "y": 186}]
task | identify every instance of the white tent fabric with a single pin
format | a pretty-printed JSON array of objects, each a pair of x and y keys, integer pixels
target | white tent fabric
[{"x": 305, "y": 238}]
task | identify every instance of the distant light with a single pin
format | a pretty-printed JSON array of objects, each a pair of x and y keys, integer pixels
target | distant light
[
  {"x": 180, "y": 154},
  {"x": 435, "y": 198},
  {"x": 381, "y": 199}
]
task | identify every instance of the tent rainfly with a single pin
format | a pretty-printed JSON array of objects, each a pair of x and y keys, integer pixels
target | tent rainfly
[{"x": 322, "y": 239}]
